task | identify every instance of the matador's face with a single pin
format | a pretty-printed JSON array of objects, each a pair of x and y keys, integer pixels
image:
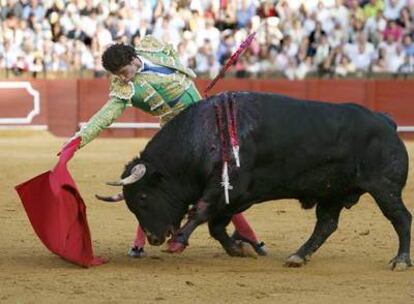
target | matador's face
[{"x": 128, "y": 72}]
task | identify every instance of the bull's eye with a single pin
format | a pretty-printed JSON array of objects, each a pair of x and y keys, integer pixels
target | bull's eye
[{"x": 142, "y": 199}]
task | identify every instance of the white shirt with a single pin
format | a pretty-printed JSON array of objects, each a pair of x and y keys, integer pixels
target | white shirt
[
  {"x": 361, "y": 61},
  {"x": 393, "y": 12},
  {"x": 150, "y": 64},
  {"x": 394, "y": 62}
]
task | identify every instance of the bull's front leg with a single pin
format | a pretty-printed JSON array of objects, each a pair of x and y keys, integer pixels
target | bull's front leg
[
  {"x": 197, "y": 215},
  {"x": 217, "y": 228}
]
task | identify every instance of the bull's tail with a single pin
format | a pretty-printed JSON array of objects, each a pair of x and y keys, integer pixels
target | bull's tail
[{"x": 388, "y": 118}]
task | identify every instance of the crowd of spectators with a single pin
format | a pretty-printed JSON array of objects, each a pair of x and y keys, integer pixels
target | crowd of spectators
[{"x": 327, "y": 38}]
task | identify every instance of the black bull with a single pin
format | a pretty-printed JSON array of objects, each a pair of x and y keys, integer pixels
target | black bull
[{"x": 324, "y": 155}]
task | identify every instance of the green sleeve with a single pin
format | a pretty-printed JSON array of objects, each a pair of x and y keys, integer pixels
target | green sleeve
[{"x": 101, "y": 120}]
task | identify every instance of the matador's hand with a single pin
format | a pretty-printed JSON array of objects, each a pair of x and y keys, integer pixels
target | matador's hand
[{"x": 69, "y": 142}]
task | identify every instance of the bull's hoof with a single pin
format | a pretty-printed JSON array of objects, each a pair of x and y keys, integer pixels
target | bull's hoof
[
  {"x": 295, "y": 261},
  {"x": 175, "y": 247},
  {"x": 241, "y": 249},
  {"x": 400, "y": 263},
  {"x": 136, "y": 252}
]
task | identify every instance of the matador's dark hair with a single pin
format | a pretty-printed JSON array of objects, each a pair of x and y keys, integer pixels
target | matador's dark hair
[{"x": 117, "y": 56}]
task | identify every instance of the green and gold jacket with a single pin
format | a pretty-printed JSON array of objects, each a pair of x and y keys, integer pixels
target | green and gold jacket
[{"x": 150, "y": 92}]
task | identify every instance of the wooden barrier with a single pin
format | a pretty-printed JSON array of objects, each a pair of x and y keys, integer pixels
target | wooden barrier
[
  {"x": 63, "y": 107},
  {"x": 23, "y": 103},
  {"x": 65, "y": 104}
]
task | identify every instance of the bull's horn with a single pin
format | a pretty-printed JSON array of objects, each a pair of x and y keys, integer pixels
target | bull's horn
[
  {"x": 136, "y": 174},
  {"x": 114, "y": 198}
]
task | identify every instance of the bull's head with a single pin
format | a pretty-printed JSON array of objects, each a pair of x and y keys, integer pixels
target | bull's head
[{"x": 149, "y": 196}]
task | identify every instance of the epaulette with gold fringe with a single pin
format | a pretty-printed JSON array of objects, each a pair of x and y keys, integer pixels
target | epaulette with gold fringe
[
  {"x": 121, "y": 90},
  {"x": 150, "y": 44}
]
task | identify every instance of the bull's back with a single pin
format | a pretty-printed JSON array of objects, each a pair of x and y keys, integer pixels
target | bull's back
[{"x": 286, "y": 121}]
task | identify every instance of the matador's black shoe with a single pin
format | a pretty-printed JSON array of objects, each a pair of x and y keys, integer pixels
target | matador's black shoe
[
  {"x": 260, "y": 247},
  {"x": 136, "y": 252}
]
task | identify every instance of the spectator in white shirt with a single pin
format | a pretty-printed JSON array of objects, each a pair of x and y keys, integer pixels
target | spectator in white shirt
[
  {"x": 289, "y": 47},
  {"x": 407, "y": 67},
  {"x": 183, "y": 55},
  {"x": 344, "y": 67},
  {"x": 395, "y": 61},
  {"x": 281, "y": 61},
  {"x": 379, "y": 65},
  {"x": 301, "y": 70},
  {"x": 369, "y": 47},
  {"x": 309, "y": 23},
  {"x": 393, "y": 7},
  {"x": 341, "y": 13},
  {"x": 389, "y": 46},
  {"x": 322, "y": 50},
  {"x": 209, "y": 32},
  {"x": 34, "y": 7},
  {"x": 362, "y": 59},
  {"x": 296, "y": 31},
  {"x": 202, "y": 57},
  {"x": 375, "y": 26},
  {"x": 103, "y": 36},
  {"x": 337, "y": 36},
  {"x": 165, "y": 31}
]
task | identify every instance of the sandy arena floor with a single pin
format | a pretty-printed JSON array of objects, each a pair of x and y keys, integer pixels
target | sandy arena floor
[{"x": 350, "y": 268}]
